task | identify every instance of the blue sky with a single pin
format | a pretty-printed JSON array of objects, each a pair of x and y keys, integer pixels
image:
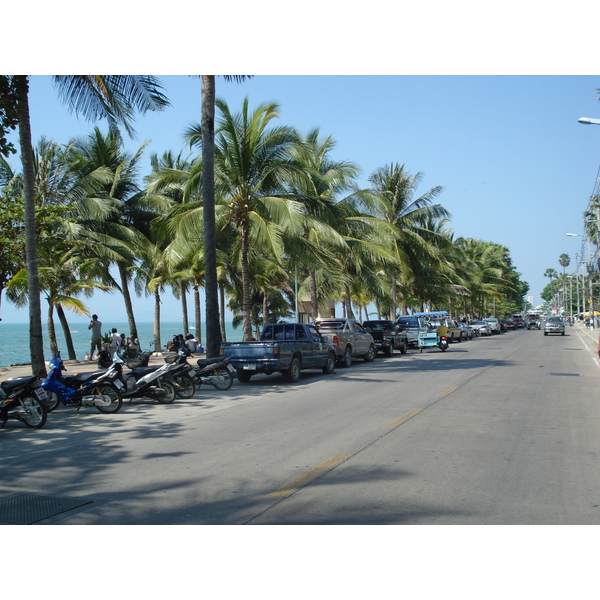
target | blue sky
[{"x": 517, "y": 167}]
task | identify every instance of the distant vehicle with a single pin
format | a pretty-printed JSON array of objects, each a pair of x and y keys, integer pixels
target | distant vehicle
[
  {"x": 483, "y": 327},
  {"x": 494, "y": 324},
  {"x": 349, "y": 339},
  {"x": 467, "y": 331},
  {"x": 533, "y": 321},
  {"x": 411, "y": 326},
  {"x": 387, "y": 336},
  {"x": 510, "y": 323},
  {"x": 519, "y": 321},
  {"x": 554, "y": 325}
]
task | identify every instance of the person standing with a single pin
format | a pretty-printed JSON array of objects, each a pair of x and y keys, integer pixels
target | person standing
[
  {"x": 115, "y": 342},
  {"x": 96, "y": 341}
]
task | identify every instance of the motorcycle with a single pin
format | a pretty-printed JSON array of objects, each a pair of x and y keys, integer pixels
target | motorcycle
[
  {"x": 149, "y": 382},
  {"x": 442, "y": 343},
  {"x": 79, "y": 379},
  {"x": 182, "y": 376},
  {"x": 98, "y": 392},
  {"x": 216, "y": 372},
  {"x": 22, "y": 399}
]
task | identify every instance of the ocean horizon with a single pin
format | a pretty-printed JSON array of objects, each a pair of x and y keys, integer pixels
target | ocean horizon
[{"x": 14, "y": 338}]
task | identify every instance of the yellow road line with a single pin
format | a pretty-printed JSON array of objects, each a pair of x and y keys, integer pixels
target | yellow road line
[
  {"x": 405, "y": 417},
  {"x": 447, "y": 392},
  {"x": 309, "y": 476}
]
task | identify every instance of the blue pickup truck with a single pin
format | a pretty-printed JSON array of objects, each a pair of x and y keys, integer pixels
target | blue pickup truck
[{"x": 283, "y": 348}]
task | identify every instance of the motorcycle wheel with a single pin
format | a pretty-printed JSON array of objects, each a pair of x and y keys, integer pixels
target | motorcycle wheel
[
  {"x": 35, "y": 414},
  {"x": 169, "y": 393},
  {"x": 52, "y": 402},
  {"x": 115, "y": 397},
  {"x": 188, "y": 386},
  {"x": 222, "y": 379}
]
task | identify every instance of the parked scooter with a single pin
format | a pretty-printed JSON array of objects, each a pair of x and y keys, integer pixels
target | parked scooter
[
  {"x": 149, "y": 382},
  {"x": 183, "y": 374},
  {"x": 442, "y": 343},
  {"x": 111, "y": 375},
  {"x": 23, "y": 399},
  {"x": 98, "y": 392},
  {"x": 216, "y": 372}
]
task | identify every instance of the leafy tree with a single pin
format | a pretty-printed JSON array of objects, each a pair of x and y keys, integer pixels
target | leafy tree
[{"x": 115, "y": 97}]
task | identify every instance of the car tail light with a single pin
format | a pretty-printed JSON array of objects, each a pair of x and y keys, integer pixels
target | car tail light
[
  {"x": 276, "y": 351},
  {"x": 336, "y": 341},
  {"x": 385, "y": 337}
]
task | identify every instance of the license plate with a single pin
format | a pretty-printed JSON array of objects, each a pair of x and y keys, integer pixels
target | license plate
[
  {"x": 250, "y": 367},
  {"x": 230, "y": 368},
  {"x": 40, "y": 393},
  {"x": 118, "y": 383}
]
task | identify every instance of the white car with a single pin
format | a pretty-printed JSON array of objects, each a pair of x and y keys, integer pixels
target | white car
[
  {"x": 494, "y": 324},
  {"x": 554, "y": 325},
  {"x": 482, "y": 327}
]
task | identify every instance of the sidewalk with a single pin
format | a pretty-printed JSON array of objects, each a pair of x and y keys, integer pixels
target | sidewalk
[{"x": 79, "y": 366}]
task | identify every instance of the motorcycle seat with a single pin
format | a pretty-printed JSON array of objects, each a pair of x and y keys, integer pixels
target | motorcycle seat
[
  {"x": 83, "y": 377},
  {"x": 204, "y": 362},
  {"x": 138, "y": 372},
  {"x": 11, "y": 384}
]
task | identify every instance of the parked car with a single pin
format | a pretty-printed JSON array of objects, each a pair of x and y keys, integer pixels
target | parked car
[
  {"x": 554, "y": 325},
  {"x": 411, "y": 326},
  {"x": 455, "y": 333},
  {"x": 519, "y": 321},
  {"x": 494, "y": 324},
  {"x": 349, "y": 339},
  {"x": 387, "y": 336},
  {"x": 483, "y": 327},
  {"x": 510, "y": 323},
  {"x": 283, "y": 347},
  {"x": 467, "y": 331}
]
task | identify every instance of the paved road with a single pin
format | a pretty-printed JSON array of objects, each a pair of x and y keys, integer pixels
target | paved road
[{"x": 501, "y": 430}]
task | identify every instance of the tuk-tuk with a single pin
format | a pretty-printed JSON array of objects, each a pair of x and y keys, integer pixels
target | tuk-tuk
[{"x": 428, "y": 337}]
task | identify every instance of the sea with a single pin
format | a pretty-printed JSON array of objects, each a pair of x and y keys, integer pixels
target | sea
[{"x": 14, "y": 338}]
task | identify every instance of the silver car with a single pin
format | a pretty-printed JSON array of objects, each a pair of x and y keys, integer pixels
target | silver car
[
  {"x": 554, "y": 325},
  {"x": 482, "y": 326},
  {"x": 494, "y": 324}
]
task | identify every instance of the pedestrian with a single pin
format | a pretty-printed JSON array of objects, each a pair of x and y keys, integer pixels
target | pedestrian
[
  {"x": 115, "y": 342},
  {"x": 96, "y": 341},
  {"x": 191, "y": 343},
  {"x": 133, "y": 346}
]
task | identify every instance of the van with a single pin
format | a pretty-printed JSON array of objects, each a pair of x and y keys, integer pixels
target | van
[{"x": 411, "y": 326}]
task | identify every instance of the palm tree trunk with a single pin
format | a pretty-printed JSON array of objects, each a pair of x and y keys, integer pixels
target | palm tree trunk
[
  {"x": 265, "y": 307},
  {"x": 127, "y": 298},
  {"x": 184, "y": 308},
  {"x": 314, "y": 299},
  {"x": 246, "y": 304},
  {"x": 51, "y": 330},
  {"x": 66, "y": 331},
  {"x": 197, "y": 314},
  {"x": 157, "y": 346},
  {"x": 213, "y": 334},
  {"x": 348, "y": 304},
  {"x": 36, "y": 341},
  {"x": 222, "y": 314}
]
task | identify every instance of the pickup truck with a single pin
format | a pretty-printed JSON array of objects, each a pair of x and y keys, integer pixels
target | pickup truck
[
  {"x": 349, "y": 339},
  {"x": 387, "y": 336},
  {"x": 455, "y": 333},
  {"x": 283, "y": 347}
]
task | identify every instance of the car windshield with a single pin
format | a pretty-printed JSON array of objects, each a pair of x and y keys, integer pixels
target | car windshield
[{"x": 555, "y": 320}]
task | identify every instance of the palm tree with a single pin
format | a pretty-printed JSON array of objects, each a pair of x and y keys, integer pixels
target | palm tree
[
  {"x": 252, "y": 164},
  {"x": 213, "y": 335},
  {"x": 115, "y": 97},
  {"x": 413, "y": 245}
]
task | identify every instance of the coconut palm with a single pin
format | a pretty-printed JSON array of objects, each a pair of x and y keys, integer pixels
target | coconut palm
[
  {"x": 115, "y": 97},
  {"x": 393, "y": 201},
  {"x": 252, "y": 165}
]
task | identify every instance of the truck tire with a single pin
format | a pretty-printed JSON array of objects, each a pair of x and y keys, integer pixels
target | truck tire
[
  {"x": 389, "y": 351},
  {"x": 371, "y": 354},
  {"x": 329, "y": 367},
  {"x": 292, "y": 374},
  {"x": 404, "y": 348},
  {"x": 346, "y": 361},
  {"x": 243, "y": 376}
]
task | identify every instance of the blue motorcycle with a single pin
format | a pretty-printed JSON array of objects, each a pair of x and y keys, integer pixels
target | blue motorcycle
[{"x": 98, "y": 392}]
